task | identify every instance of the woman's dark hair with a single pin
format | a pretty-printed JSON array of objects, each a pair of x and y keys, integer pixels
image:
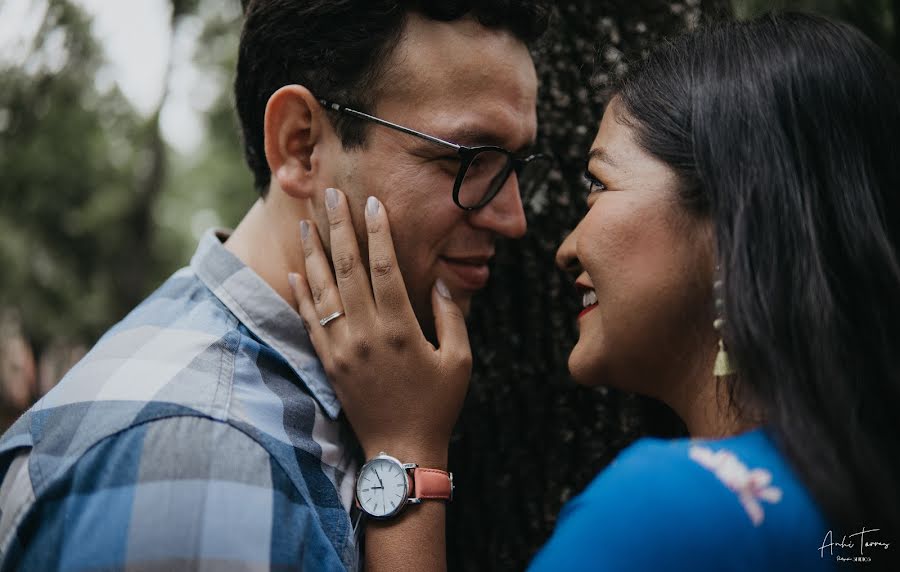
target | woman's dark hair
[
  {"x": 785, "y": 131},
  {"x": 337, "y": 49}
]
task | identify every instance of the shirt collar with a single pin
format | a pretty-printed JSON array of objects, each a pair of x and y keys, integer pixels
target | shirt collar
[{"x": 263, "y": 312}]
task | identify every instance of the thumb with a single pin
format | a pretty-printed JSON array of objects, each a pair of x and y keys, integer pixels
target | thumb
[{"x": 450, "y": 325}]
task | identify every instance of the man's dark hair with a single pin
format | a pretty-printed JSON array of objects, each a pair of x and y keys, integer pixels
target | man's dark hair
[{"x": 337, "y": 49}]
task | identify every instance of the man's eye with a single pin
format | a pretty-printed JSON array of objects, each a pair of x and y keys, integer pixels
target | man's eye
[
  {"x": 592, "y": 183},
  {"x": 447, "y": 163}
]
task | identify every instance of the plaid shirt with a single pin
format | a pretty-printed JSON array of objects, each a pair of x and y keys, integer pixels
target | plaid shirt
[{"x": 199, "y": 433}]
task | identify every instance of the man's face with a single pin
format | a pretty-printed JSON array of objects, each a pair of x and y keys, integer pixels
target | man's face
[{"x": 463, "y": 83}]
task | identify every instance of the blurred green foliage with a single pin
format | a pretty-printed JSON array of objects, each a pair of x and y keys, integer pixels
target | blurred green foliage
[
  {"x": 70, "y": 158},
  {"x": 95, "y": 208}
]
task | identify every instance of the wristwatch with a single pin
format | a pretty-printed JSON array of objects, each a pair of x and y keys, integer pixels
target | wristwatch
[{"x": 385, "y": 486}]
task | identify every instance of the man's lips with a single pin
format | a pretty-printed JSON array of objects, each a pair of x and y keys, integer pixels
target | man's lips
[{"x": 471, "y": 272}]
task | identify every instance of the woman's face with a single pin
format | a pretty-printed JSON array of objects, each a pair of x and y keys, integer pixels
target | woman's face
[{"x": 646, "y": 272}]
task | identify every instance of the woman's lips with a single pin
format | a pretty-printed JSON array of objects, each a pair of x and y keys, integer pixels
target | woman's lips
[
  {"x": 471, "y": 274},
  {"x": 588, "y": 297},
  {"x": 587, "y": 309}
]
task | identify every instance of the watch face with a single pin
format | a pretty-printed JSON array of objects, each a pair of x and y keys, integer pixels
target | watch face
[{"x": 382, "y": 487}]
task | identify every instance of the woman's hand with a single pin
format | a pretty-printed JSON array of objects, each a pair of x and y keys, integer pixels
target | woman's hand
[{"x": 400, "y": 393}]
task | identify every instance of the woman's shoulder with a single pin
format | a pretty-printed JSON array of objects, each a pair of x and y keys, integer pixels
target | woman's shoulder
[
  {"x": 695, "y": 503},
  {"x": 743, "y": 480},
  {"x": 710, "y": 473}
]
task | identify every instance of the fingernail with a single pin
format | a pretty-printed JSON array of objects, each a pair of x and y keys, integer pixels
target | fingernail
[
  {"x": 292, "y": 279},
  {"x": 442, "y": 289},
  {"x": 304, "y": 229},
  {"x": 372, "y": 205},
  {"x": 331, "y": 198}
]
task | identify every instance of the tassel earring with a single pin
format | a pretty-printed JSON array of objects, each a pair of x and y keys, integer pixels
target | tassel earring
[{"x": 723, "y": 366}]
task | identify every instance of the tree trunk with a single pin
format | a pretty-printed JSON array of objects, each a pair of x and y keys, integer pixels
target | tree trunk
[
  {"x": 139, "y": 263},
  {"x": 528, "y": 438}
]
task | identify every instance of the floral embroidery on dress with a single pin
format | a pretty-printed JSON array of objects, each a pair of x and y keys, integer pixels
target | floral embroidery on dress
[{"x": 751, "y": 486}]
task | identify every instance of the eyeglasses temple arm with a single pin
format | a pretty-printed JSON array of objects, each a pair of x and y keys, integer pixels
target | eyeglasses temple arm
[{"x": 342, "y": 109}]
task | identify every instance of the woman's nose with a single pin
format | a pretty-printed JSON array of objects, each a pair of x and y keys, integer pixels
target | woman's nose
[{"x": 566, "y": 258}]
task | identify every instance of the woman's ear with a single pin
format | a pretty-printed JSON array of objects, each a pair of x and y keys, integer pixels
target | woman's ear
[{"x": 293, "y": 127}]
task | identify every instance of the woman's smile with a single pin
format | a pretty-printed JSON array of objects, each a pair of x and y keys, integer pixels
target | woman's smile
[{"x": 588, "y": 302}]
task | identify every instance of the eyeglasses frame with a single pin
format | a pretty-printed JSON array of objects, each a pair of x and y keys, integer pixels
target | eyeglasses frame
[{"x": 466, "y": 154}]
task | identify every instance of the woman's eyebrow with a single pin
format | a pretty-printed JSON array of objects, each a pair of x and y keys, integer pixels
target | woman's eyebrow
[{"x": 602, "y": 155}]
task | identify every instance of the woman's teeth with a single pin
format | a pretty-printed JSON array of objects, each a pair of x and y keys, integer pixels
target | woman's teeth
[{"x": 589, "y": 298}]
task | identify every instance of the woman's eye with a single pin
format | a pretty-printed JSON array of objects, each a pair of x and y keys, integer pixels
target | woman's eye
[{"x": 592, "y": 184}]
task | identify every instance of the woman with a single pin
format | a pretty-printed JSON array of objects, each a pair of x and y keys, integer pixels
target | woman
[{"x": 738, "y": 262}]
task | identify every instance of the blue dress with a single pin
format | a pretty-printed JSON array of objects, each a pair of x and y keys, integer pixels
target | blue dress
[{"x": 692, "y": 504}]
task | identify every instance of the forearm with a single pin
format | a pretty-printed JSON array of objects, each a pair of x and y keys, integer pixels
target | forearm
[
  {"x": 415, "y": 539},
  {"x": 412, "y": 541}
]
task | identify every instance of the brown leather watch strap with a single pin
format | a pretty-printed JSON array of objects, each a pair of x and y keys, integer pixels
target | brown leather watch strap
[{"x": 432, "y": 484}]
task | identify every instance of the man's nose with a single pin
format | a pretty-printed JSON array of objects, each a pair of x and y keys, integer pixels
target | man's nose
[
  {"x": 504, "y": 214},
  {"x": 566, "y": 256}
]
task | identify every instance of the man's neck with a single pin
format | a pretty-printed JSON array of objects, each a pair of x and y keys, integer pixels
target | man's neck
[{"x": 267, "y": 240}]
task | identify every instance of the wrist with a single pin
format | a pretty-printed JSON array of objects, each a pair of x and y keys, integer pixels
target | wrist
[{"x": 431, "y": 457}]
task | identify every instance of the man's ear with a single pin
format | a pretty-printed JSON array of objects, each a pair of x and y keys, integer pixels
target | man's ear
[{"x": 294, "y": 125}]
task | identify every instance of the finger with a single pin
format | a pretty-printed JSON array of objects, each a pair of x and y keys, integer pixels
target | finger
[
  {"x": 317, "y": 334},
  {"x": 388, "y": 288},
  {"x": 450, "y": 325},
  {"x": 352, "y": 278},
  {"x": 322, "y": 289}
]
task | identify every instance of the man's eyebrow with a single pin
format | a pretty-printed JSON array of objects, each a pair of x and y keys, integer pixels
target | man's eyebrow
[
  {"x": 475, "y": 136},
  {"x": 603, "y": 156}
]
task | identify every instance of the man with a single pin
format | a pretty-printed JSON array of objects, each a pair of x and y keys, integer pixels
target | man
[{"x": 201, "y": 432}]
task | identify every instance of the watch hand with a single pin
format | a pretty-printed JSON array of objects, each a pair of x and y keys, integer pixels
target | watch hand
[{"x": 379, "y": 478}]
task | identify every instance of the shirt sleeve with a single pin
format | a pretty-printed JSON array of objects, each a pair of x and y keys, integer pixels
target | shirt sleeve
[
  {"x": 183, "y": 493},
  {"x": 647, "y": 512}
]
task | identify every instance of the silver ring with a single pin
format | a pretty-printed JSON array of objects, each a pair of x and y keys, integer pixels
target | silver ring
[{"x": 324, "y": 321}]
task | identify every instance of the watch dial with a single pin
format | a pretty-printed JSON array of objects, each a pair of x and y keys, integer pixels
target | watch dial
[{"x": 381, "y": 487}]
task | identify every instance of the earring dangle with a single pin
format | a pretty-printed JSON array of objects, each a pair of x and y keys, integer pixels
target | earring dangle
[{"x": 723, "y": 366}]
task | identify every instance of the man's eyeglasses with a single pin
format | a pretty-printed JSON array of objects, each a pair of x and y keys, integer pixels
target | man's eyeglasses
[{"x": 483, "y": 170}]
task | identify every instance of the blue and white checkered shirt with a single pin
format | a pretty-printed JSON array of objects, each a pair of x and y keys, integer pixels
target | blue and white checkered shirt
[{"x": 200, "y": 433}]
